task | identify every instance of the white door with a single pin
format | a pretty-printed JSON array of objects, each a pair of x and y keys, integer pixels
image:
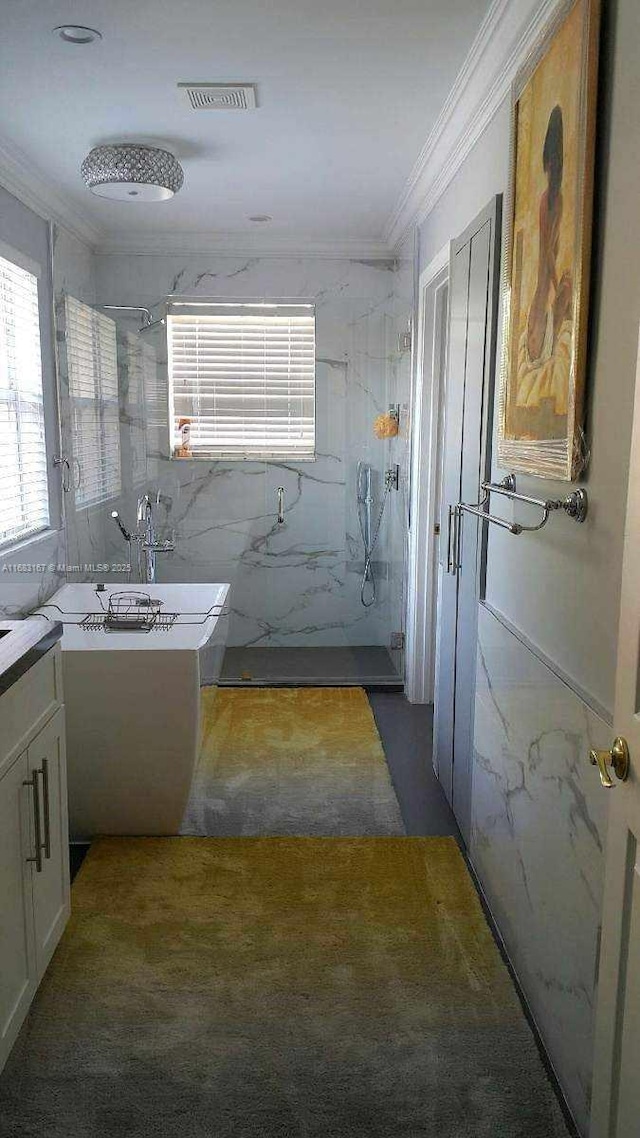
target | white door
[
  {"x": 473, "y": 314},
  {"x": 51, "y": 884},
  {"x": 17, "y": 955},
  {"x": 616, "y": 1091}
]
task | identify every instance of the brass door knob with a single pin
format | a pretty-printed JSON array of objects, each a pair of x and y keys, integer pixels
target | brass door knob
[{"x": 618, "y": 757}]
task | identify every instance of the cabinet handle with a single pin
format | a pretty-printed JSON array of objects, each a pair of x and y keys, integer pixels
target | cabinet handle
[
  {"x": 47, "y": 812},
  {"x": 453, "y": 540},
  {"x": 37, "y": 858}
]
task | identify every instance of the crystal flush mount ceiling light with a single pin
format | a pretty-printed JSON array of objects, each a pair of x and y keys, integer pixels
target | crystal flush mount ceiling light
[{"x": 129, "y": 171}]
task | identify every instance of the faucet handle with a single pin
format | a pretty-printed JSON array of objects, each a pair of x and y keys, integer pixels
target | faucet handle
[{"x": 160, "y": 545}]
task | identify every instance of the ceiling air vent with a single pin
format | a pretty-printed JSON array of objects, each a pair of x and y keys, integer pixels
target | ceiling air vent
[{"x": 220, "y": 96}]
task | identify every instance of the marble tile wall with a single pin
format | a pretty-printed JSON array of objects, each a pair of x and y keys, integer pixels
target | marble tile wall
[
  {"x": 297, "y": 584},
  {"x": 538, "y": 832}
]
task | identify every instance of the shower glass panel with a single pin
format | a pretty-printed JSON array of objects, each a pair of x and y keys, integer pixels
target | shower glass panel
[{"x": 313, "y": 598}]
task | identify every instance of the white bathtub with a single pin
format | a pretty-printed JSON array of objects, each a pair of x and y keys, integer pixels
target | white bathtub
[{"x": 133, "y": 706}]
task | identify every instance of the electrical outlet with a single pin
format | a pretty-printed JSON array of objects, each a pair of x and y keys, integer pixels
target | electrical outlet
[{"x": 396, "y": 642}]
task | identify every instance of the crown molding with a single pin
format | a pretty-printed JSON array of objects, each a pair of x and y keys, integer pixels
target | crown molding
[
  {"x": 26, "y": 182},
  {"x": 229, "y": 243},
  {"x": 508, "y": 33}
]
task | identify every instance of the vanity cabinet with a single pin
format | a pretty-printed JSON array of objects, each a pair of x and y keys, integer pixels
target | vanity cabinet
[{"x": 34, "y": 849}]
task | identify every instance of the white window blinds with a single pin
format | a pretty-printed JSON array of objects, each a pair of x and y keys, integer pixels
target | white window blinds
[
  {"x": 24, "y": 497},
  {"x": 93, "y": 389},
  {"x": 244, "y": 375}
]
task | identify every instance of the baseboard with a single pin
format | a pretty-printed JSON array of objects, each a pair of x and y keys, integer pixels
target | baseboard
[{"x": 526, "y": 1008}]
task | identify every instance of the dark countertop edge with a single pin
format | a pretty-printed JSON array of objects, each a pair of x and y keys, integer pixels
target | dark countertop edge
[{"x": 51, "y": 635}]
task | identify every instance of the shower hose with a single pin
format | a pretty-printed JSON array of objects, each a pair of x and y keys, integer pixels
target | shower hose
[{"x": 368, "y": 585}]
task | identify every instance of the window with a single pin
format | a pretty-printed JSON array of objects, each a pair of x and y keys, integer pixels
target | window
[
  {"x": 24, "y": 504},
  {"x": 244, "y": 376},
  {"x": 93, "y": 389}
]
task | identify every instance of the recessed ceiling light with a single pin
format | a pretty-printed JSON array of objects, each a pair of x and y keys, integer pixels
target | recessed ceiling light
[
  {"x": 261, "y": 217},
  {"x": 74, "y": 33}
]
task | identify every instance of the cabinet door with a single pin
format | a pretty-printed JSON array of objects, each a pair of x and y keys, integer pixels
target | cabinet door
[
  {"x": 47, "y": 763},
  {"x": 17, "y": 949}
]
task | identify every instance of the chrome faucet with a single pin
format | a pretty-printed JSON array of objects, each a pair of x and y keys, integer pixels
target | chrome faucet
[{"x": 145, "y": 538}]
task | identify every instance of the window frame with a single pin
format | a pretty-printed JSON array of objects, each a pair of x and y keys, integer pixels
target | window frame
[
  {"x": 39, "y": 263},
  {"x": 182, "y": 304}
]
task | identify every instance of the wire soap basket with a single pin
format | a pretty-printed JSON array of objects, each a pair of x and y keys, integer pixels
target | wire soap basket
[{"x": 131, "y": 612}]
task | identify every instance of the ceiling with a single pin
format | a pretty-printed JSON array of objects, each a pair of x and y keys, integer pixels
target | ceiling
[{"x": 348, "y": 91}]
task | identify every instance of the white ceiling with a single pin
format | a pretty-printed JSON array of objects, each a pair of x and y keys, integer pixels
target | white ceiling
[{"x": 348, "y": 92}]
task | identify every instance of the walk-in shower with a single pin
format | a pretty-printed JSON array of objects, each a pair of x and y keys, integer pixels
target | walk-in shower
[{"x": 313, "y": 546}]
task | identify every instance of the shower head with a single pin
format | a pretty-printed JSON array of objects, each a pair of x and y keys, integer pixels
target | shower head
[
  {"x": 160, "y": 323},
  {"x": 363, "y": 483}
]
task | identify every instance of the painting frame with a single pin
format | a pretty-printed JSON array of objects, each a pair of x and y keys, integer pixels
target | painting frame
[{"x": 548, "y": 223}]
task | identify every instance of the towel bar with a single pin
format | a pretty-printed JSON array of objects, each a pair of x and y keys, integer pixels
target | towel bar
[{"x": 575, "y": 505}]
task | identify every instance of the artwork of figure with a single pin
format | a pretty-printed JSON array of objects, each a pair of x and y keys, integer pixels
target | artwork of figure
[
  {"x": 544, "y": 354},
  {"x": 545, "y": 333}
]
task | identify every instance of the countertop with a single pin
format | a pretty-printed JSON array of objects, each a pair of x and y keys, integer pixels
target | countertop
[{"x": 27, "y": 642}]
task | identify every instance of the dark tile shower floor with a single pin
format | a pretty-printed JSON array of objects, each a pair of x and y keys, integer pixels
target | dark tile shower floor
[{"x": 367, "y": 665}]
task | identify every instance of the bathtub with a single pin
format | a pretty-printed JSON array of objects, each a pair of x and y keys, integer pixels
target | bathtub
[{"x": 132, "y": 702}]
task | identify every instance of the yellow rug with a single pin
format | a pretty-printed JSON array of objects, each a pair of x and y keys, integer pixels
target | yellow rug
[
  {"x": 304, "y": 761},
  {"x": 266, "y": 988}
]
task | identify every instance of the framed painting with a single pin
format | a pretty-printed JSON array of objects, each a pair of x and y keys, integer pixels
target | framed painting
[{"x": 548, "y": 246}]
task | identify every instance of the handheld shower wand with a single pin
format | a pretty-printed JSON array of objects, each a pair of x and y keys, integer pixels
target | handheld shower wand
[
  {"x": 369, "y": 531},
  {"x": 120, "y": 524}
]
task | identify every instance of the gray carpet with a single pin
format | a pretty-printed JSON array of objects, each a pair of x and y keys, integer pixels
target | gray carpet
[
  {"x": 276, "y": 988},
  {"x": 305, "y": 761}
]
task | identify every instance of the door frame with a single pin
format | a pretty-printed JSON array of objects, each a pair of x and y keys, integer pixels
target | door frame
[{"x": 427, "y": 400}]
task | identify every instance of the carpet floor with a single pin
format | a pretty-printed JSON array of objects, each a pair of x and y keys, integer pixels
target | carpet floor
[
  {"x": 299, "y": 761},
  {"x": 276, "y": 988}
]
